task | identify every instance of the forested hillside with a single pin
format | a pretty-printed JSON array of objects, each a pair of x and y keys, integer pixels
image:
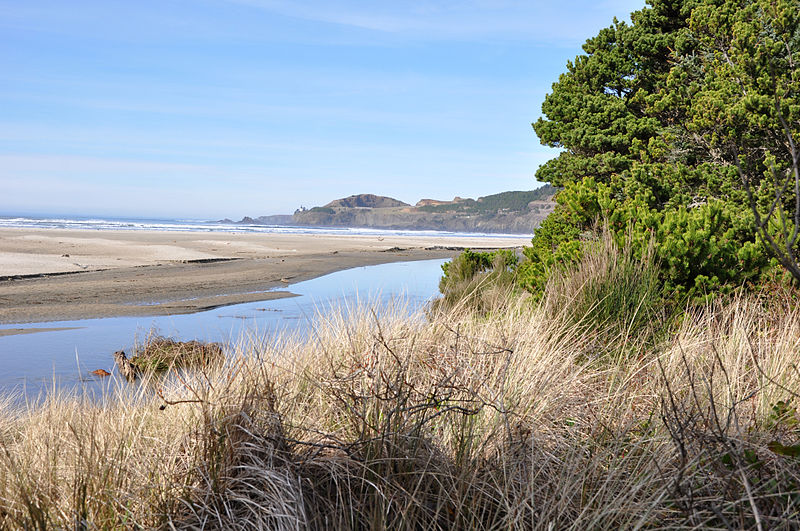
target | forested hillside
[{"x": 504, "y": 201}]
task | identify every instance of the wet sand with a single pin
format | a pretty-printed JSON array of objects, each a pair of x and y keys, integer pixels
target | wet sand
[
  {"x": 55, "y": 275},
  {"x": 18, "y": 331}
]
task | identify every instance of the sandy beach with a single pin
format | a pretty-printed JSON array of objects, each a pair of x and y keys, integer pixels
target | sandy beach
[{"x": 54, "y": 275}]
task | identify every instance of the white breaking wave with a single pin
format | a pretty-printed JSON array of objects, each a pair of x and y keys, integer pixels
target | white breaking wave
[{"x": 100, "y": 224}]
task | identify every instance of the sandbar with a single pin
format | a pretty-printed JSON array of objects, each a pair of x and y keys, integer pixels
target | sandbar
[
  {"x": 19, "y": 331},
  {"x": 71, "y": 274}
]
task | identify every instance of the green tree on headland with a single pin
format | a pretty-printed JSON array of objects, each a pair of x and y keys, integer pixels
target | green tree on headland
[{"x": 678, "y": 128}]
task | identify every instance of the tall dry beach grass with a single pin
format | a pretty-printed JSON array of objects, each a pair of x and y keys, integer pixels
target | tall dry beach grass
[{"x": 516, "y": 419}]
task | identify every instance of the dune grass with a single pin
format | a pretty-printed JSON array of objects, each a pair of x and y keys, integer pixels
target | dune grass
[{"x": 524, "y": 417}]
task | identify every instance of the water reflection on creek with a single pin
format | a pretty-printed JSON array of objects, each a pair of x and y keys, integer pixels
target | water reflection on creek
[{"x": 33, "y": 363}]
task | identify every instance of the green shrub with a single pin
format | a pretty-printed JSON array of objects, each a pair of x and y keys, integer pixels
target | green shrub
[
  {"x": 704, "y": 248},
  {"x": 556, "y": 243},
  {"x": 658, "y": 133},
  {"x": 478, "y": 279}
]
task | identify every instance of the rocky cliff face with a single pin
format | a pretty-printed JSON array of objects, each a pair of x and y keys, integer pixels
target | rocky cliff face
[
  {"x": 279, "y": 219},
  {"x": 516, "y": 222},
  {"x": 459, "y": 215},
  {"x": 508, "y": 212}
]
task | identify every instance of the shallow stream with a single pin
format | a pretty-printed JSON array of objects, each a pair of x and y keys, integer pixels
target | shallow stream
[{"x": 36, "y": 363}]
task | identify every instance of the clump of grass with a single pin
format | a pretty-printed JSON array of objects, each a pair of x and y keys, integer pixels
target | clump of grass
[
  {"x": 478, "y": 280},
  {"x": 610, "y": 294},
  {"x": 158, "y": 354},
  {"x": 466, "y": 420}
]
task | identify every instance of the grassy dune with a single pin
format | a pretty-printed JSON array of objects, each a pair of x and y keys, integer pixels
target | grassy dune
[{"x": 529, "y": 416}]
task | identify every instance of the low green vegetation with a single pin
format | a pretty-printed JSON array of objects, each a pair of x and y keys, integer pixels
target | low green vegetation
[
  {"x": 609, "y": 294},
  {"x": 477, "y": 279},
  {"x": 491, "y": 204},
  {"x": 607, "y": 291}
]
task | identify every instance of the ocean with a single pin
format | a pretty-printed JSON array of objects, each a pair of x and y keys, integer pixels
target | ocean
[{"x": 186, "y": 225}]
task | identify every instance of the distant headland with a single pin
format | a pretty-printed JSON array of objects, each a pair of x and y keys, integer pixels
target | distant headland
[{"x": 518, "y": 212}]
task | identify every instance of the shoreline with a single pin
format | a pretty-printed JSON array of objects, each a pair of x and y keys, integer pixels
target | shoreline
[
  {"x": 51, "y": 275},
  {"x": 20, "y": 331}
]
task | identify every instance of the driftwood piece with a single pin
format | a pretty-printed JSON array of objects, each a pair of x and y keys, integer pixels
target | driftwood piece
[{"x": 124, "y": 365}]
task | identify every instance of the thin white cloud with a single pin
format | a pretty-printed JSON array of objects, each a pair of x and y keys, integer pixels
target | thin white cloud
[
  {"x": 531, "y": 21},
  {"x": 71, "y": 163}
]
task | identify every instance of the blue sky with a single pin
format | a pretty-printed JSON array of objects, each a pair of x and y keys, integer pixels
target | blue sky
[{"x": 224, "y": 108}]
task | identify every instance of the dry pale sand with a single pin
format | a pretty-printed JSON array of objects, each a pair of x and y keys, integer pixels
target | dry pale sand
[{"x": 53, "y": 275}]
